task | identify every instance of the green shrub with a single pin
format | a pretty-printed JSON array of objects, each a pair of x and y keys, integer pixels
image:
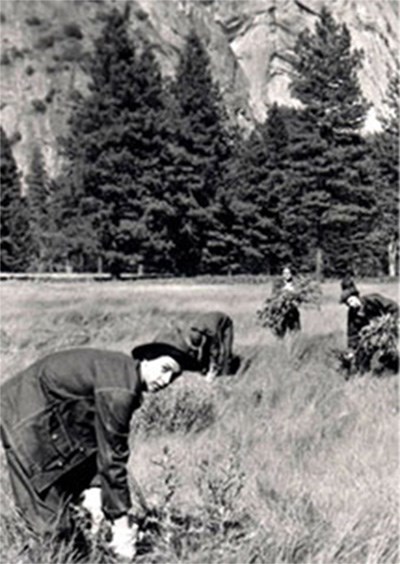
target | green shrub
[{"x": 30, "y": 70}]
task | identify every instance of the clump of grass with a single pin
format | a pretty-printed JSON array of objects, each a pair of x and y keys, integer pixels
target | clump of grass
[
  {"x": 165, "y": 528},
  {"x": 182, "y": 408},
  {"x": 173, "y": 533},
  {"x": 292, "y": 530},
  {"x": 318, "y": 349},
  {"x": 220, "y": 484}
]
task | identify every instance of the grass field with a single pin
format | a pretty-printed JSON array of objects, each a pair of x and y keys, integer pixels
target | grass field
[{"x": 284, "y": 462}]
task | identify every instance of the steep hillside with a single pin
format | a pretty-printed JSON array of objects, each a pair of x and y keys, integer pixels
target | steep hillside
[
  {"x": 43, "y": 45},
  {"x": 262, "y": 37}
]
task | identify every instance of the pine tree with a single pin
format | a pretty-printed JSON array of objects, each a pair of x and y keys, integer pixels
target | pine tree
[
  {"x": 272, "y": 191},
  {"x": 70, "y": 243},
  {"x": 385, "y": 147},
  {"x": 116, "y": 145},
  {"x": 15, "y": 237},
  {"x": 251, "y": 203},
  {"x": 331, "y": 168},
  {"x": 199, "y": 151},
  {"x": 234, "y": 239}
]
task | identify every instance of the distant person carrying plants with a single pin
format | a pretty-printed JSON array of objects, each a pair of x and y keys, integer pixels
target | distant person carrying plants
[
  {"x": 372, "y": 330},
  {"x": 65, "y": 429},
  {"x": 210, "y": 338},
  {"x": 280, "y": 312},
  {"x": 286, "y": 287}
]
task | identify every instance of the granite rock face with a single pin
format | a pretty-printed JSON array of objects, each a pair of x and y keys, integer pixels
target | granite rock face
[
  {"x": 250, "y": 43},
  {"x": 262, "y": 34}
]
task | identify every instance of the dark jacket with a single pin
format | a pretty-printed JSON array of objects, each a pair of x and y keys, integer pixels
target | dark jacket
[
  {"x": 69, "y": 406},
  {"x": 372, "y": 306},
  {"x": 212, "y": 327}
]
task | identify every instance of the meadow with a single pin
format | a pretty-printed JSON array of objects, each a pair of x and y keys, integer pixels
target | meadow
[{"x": 285, "y": 462}]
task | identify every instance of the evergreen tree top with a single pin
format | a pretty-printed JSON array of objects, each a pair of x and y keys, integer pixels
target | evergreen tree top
[
  {"x": 197, "y": 92},
  {"x": 326, "y": 80}
]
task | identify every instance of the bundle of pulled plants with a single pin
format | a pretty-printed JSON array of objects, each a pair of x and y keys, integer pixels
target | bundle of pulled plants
[{"x": 282, "y": 303}]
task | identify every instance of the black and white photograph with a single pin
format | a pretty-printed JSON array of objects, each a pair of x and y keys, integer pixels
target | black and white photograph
[{"x": 199, "y": 282}]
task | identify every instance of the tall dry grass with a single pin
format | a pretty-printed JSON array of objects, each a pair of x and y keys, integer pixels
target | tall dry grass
[{"x": 285, "y": 462}]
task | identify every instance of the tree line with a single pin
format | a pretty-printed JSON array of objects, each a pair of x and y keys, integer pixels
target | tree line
[{"x": 157, "y": 179}]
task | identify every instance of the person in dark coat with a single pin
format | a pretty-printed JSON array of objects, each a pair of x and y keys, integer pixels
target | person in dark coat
[
  {"x": 65, "y": 428},
  {"x": 210, "y": 337},
  {"x": 362, "y": 310}
]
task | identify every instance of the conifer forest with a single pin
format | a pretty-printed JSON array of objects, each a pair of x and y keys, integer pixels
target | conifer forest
[{"x": 157, "y": 179}]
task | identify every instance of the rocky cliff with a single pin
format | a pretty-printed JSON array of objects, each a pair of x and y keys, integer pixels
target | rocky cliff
[{"x": 249, "y": 41}]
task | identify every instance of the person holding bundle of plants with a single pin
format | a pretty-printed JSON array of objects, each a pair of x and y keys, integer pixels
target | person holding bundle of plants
[
  {"x": 65, "y": 429},
  {"x": 280, "y": 311},
  {"x": 285, "y": 286},
  {"x": 372, "y": 327}
]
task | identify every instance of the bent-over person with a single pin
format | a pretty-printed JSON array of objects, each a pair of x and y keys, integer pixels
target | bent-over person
[
  {"x": 362, "y": 310},
  {"x": 210, "y": 337},
  {"x": 65, "y": 428}
]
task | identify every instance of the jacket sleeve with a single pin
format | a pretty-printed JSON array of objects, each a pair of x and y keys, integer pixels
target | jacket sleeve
[
  {"x": 376, "y": 305},
  {"x": 114, "y": 408},
  {"x": 215, "y": 350},
  {"x": 390, "y": 306},
  {"x": 354, "y": 327}
]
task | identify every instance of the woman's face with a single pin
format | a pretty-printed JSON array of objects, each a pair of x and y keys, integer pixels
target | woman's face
[
  {"x": 159, "y": 372},
  {"x": 354, "y": 302}
]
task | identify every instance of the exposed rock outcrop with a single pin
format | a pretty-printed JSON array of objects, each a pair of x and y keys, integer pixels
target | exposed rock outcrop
[{"x": 250, "y": 43}]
